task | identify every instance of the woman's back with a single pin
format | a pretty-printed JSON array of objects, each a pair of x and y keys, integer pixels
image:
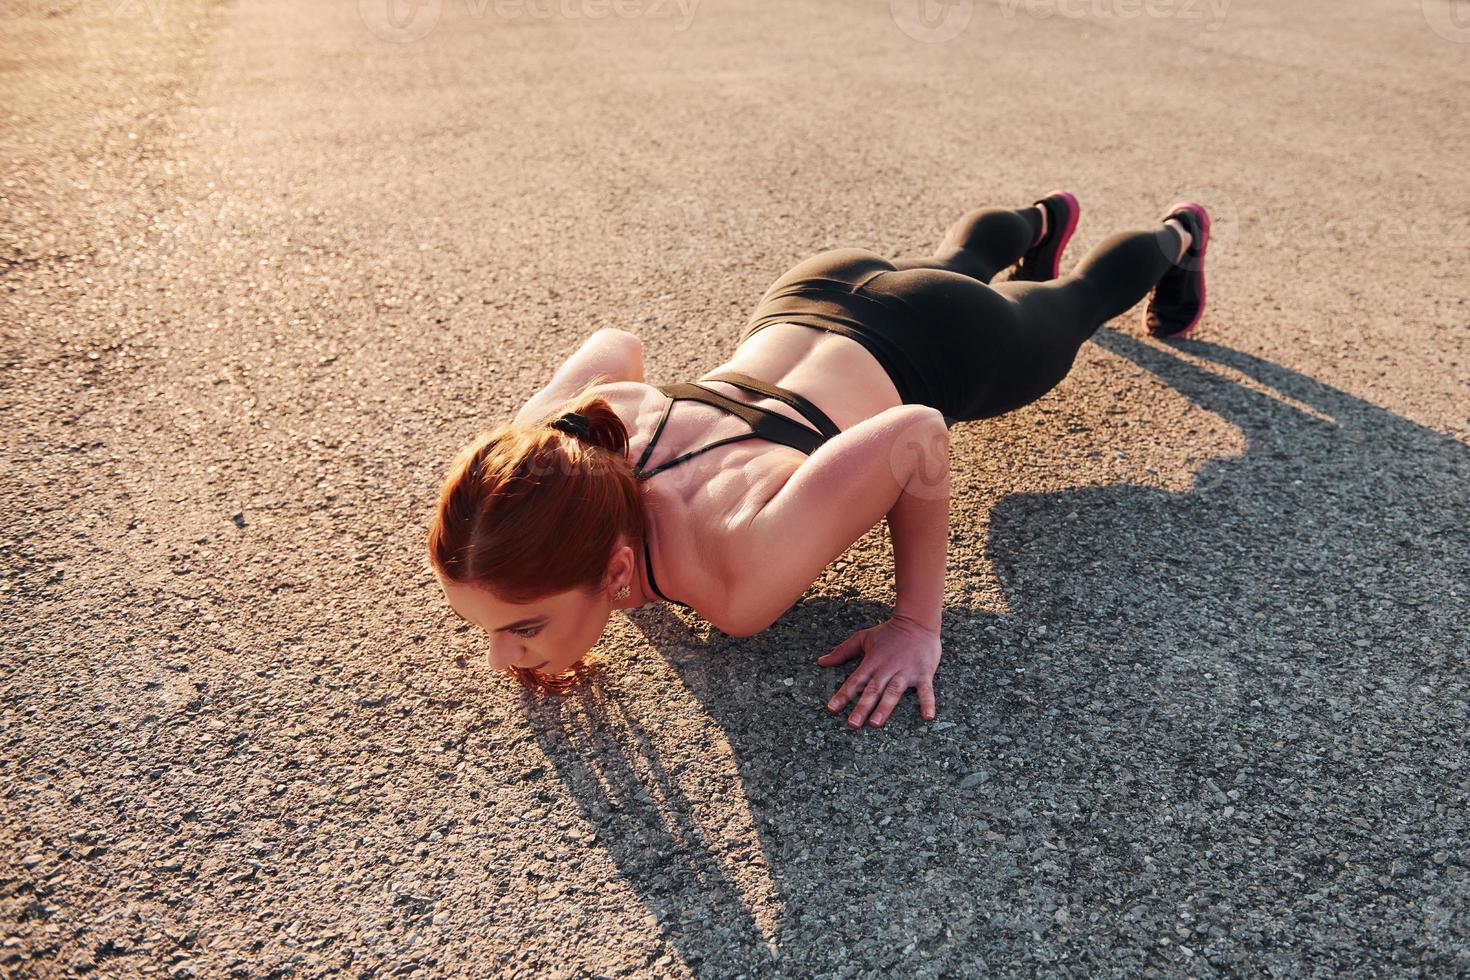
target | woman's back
[
  {"x": 836, "y": 373},
  {"x": 696, "y": 507}
]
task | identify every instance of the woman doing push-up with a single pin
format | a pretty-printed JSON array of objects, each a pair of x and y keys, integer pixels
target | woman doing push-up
[{"x": 740, "y": 487}]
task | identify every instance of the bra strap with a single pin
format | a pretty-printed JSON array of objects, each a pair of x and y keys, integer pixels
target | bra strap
[
  {"x": 809, "y": 411},
  {"x": 764, "y": 423}
]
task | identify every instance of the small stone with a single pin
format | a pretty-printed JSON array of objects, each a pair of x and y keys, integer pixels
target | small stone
[{"x": 31, "y": 860}]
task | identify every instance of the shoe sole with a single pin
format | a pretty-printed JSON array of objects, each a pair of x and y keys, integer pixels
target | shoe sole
[{"x": 1204, "y": 244}]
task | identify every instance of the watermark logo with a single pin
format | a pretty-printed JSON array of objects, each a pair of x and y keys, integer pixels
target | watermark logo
[
  {"x": 1450, "y": 19},
  {"x": 919, "y": 457},
  {"x": 400, "y": 21},
  {"x": 932, "y": 21}
]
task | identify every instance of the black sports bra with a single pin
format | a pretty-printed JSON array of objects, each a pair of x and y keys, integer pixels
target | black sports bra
[{"x": 764, "y": 424}]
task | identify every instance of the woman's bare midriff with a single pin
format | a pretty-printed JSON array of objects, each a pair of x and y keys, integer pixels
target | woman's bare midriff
[{"x": 695, "y": 507}]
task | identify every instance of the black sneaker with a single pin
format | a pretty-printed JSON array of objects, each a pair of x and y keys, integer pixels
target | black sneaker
[
  {"x": 1178, "y": 301},
  {"x": 1043, "y": 260}
]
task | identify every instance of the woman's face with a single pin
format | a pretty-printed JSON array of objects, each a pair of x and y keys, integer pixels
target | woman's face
[{"x": 548, "y": 635}]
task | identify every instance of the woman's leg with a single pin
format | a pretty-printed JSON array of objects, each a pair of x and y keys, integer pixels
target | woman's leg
[
  {"x": 982, "y": 243},
  {"x": 979, "y": 245},
  {"x": 1054, "y": 319},
  {"x": 1005, "y": 346}
]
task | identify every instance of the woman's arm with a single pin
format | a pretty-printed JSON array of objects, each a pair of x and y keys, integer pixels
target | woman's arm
[
  {"x": 904, "y": 651},
  {"x": 918, "y": 525},
  {"x": 896, "y": 464}
]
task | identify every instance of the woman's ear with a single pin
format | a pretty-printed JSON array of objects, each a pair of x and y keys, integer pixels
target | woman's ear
[{"x": 621, "y": 566}]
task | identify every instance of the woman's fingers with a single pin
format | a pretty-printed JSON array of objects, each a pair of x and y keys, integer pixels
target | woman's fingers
[
  {"x": 926, "y": 699},
  {"x": 843, "y": 652},
  {"x": 891, "y": 694},
  {"x": 849, "y": 687},
  {"x": 865, "y": 703},
  {"x": 892, "y": 662}
]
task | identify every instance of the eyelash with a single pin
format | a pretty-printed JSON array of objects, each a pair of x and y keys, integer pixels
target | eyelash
[{"x": 527, "y": 632}]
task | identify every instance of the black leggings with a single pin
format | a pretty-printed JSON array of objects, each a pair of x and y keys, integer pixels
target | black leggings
[{"x": 950, "y": 340}]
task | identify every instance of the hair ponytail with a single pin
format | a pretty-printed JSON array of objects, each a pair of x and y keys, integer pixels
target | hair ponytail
[{"x": 529, "y": 511}]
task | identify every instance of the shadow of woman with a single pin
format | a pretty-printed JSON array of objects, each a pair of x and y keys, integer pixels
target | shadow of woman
[
  {"x": 1234, "y": 717},
  {"x": 680, "y": 834},
  {"x": 1336, "y": 548}
]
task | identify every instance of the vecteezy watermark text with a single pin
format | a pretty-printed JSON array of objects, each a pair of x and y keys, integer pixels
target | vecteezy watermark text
[
  {"x": 1213, "y": 11},
  {"x": 150, "y": 13},
  {"x": 402, "y": 21},
  {"x": 932, "y": 21}
]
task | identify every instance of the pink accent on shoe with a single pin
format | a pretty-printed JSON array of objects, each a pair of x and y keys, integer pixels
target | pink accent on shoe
[
  {"x": 1074, "y": 212},
  {"x": 1200, "y": 246}
]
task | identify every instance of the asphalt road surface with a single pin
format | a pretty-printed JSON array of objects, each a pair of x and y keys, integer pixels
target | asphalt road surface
[{"x": 268, "y": 264}]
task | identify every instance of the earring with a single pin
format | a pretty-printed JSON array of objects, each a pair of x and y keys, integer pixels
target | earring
[{"x": 622, "y": 593}]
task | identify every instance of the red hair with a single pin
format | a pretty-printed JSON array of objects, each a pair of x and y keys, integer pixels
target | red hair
[{"x": 529, "y": 511}]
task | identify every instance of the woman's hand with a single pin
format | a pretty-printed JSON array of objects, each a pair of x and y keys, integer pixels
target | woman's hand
[{"x": 897, "y": 654}]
